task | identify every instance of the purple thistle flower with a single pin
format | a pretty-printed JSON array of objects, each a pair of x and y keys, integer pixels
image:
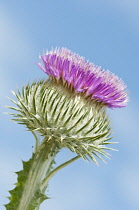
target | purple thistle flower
[{"x": 85, "y": 77}]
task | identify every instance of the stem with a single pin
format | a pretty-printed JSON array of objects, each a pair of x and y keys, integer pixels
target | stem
[
  {"x": 52, "y": 173},
  {"x": 36, "y": 142},
  {"x": 33, "y": 180},
  {"x": 32, "y": 195}
]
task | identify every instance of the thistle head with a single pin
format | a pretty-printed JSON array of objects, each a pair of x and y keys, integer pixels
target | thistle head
[{"x": 69, "y": 107}]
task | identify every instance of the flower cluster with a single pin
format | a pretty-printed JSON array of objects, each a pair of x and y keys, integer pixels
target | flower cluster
[{"x": 85, "y": 77}]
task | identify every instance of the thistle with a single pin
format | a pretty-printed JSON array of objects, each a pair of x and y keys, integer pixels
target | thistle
[{"x": 67, "y": 110}]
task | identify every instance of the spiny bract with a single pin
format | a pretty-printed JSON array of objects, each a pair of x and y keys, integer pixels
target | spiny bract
[{"x": 68, "y": 119}]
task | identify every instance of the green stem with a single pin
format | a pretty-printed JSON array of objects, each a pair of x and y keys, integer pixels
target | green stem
[
  {"x": 33, "y": 180},
  {"x": 32, "y": 195},
  {"x": 37, "y": 142},
  {"x": 53, "y": 172}
]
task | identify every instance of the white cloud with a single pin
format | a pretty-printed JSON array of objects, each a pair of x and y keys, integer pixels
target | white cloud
[
  {"x": 15, "y": 51},
  {"x": 13, "y": 41}
]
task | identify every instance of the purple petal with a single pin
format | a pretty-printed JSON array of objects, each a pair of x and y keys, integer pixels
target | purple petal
[{"x": 85, "y": 77}]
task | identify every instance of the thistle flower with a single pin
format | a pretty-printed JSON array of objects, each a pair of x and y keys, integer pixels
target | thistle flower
[
  {"x": 85, "y": 77},
  {"x": 67, "y": 110}
]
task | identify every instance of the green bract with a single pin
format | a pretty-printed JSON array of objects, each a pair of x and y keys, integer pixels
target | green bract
[{"x": 63, "y": 117}]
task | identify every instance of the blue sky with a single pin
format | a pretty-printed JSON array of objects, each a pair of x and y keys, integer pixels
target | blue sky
[{"x": 106, "y": 33}]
